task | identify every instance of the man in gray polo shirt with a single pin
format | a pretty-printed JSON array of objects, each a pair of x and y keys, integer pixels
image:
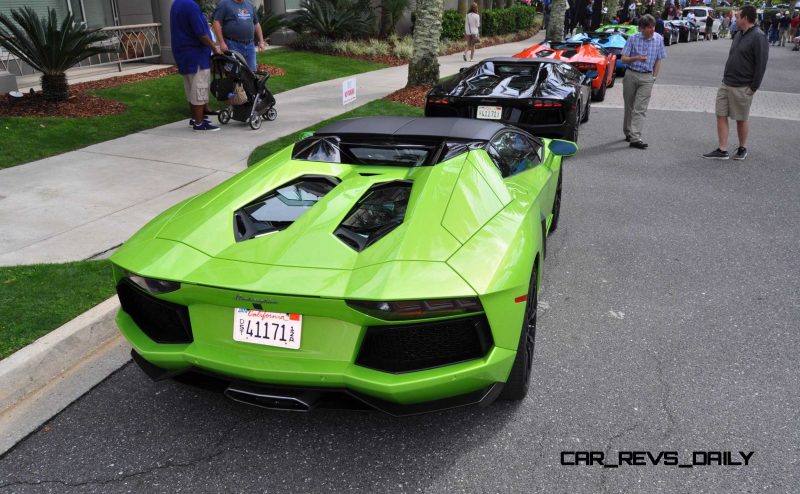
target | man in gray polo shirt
[
  {"x": 744, "y": 71},
  {"x": 236, "y": 27}
]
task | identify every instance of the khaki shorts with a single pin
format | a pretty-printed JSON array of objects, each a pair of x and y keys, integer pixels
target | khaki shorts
[
  {"x": 734, "y": 102},
  {"x": 472, "y": 40},
  {"x": 196, "y": 86}
]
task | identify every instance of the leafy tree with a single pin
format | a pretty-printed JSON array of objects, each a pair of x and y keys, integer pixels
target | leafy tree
[
  {"x": 50, "y": 48},
  {"x": 424, "y": 66}
]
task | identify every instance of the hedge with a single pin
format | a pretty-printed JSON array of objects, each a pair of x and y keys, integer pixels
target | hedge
[{"x": 494, "y": 22}]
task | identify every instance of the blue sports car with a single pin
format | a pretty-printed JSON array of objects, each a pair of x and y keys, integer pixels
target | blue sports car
[{"x": 612, "y": 42}]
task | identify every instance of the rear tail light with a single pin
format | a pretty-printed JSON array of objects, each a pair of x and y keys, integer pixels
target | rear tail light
[
  {"x": 439, "y": 101},
  {"x": 583, "y": 67},
  {"x": 417, "y": 309},
  {"x": 153, "y": 285},
  {"x": 543, "y": 103}
]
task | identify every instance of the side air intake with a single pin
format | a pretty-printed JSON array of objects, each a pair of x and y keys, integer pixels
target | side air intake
[
  {"x": 280, "y": 208},
  {"x": 378, "y": 212}
]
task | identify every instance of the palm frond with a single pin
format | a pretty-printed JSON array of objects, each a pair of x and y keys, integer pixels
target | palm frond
[{"x": 46, "y": 45}]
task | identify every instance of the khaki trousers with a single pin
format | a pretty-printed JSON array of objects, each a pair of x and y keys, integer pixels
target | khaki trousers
[{"x": 636, "y": 89}]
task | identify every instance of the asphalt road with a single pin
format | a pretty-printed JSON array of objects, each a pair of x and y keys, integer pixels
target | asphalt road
[
  {"x": 668, "y": 322},
  {"x": 700, "y": 63}
]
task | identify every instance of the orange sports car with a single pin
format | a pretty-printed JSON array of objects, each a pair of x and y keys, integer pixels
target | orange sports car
[{"x": 591, "y": 59}]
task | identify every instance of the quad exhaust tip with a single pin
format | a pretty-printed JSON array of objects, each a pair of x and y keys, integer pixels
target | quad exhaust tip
[{"x": 301, "y": 401}]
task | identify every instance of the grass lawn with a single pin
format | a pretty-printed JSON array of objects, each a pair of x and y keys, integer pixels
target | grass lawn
[
  {"x": 150, "y": 104},
  {"x": 373, "y": 108},
  {"x": 37, "y": 299}
]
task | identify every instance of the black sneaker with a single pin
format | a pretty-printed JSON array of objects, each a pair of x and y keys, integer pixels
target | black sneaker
[
  {"x": 192, "y": 123},
  {"x": 206, "y": 126},
  {"x": 717, "y": 154},
  {"x": 638, "y": 144},
  {"x": 741, "y": 153}
]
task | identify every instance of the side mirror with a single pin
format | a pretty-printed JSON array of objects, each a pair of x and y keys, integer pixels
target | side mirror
[
  {"x": 305, "y": 135},
  {"x": 562, "y": 148},
  {"x": 462, "y": 69}
]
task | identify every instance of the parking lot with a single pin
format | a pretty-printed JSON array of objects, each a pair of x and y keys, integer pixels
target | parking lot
[{"x": 668, "y": 323}]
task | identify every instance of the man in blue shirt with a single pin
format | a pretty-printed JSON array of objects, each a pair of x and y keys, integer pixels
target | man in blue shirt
[
  {"x": 192, "y": 48},
  {"x": 236, "y": 25},
  {"x": 643, "y": 53}
]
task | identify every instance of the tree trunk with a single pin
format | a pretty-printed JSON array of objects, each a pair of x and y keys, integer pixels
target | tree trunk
[
  {"x": 424, "y": 66},
  {"x": 597, "y": 14},
  {"x": 555, "y": 29},
  {"x": 54, "y": 87},
  {"x": 463, "y": 6}
]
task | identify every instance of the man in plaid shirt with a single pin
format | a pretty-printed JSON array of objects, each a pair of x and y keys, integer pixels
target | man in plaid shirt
[{"x": 643, "y": 53}]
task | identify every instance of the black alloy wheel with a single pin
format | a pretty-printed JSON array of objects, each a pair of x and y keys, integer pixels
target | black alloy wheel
[
  {"x": 573, "y": 134},
  {"x": 600, "y": 95},
  {"x": 516, "y": 387}
]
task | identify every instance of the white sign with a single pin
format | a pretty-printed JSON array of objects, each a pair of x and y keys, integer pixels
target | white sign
[{"x": 349, "y": 91}]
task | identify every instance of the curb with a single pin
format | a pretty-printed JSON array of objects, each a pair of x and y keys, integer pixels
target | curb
[{"x": 43, "y": 378}]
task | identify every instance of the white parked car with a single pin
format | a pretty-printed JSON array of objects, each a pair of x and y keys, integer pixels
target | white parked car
[{"x": 700, "y": 14}]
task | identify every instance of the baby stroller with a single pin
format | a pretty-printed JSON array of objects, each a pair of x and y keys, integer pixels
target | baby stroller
[{"x": 246, "y": 92}]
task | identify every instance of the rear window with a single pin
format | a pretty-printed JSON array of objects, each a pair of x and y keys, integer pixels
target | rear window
[{"x": 382, "y": 151}]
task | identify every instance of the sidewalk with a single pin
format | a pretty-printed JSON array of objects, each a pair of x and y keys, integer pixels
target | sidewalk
[{"x": 81, "y": 204}]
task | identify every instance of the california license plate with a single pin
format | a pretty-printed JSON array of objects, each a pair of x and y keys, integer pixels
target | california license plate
[
  {"x": 267, "y": 328},
  {"x": 490, "y": 112}
]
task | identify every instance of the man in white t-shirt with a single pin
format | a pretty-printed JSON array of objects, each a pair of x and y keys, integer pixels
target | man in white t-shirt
[{"x": 472, "y": 28}]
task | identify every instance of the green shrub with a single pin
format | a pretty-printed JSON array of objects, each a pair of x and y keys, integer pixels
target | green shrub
[
  {"x": 452, "y": 25},
  {"x": 378, "y": 47},
  {"x": 336, "y": 19},
  {"x": 494, "y": 22},
  {"x": 403, "y": 48},
  {"x": 51, "y": 47},
  {"x": 504, "y": 21}
]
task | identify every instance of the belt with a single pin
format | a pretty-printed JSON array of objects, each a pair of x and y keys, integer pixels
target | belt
[
  {"x": 240, "y": 41},
  {"x": 641, "y": 71}
]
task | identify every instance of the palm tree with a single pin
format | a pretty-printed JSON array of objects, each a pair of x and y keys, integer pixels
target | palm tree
[
  {"x": 555, "y": 29},
  {"x": 49, "y": 48},
  {"x": 424, "y": 66}
]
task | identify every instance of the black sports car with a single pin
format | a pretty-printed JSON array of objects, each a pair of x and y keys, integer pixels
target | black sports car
[
  {"x": 543, "y": 96},
  {"x": 671, "y": 33},
  {"x": 687, "y": 30}
]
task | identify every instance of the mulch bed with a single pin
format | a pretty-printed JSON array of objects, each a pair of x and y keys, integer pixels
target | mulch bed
[
  {"x": 82, "y": 87},
  {"x": 273, "y": 71},
  {"x": 82, "y": 104},
  {"x": 410, "y": 95},
  {"x": 78, "y": 105}
]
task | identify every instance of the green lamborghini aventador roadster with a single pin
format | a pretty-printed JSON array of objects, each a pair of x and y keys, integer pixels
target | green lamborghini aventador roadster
[{"x": 385, "y": 262}]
